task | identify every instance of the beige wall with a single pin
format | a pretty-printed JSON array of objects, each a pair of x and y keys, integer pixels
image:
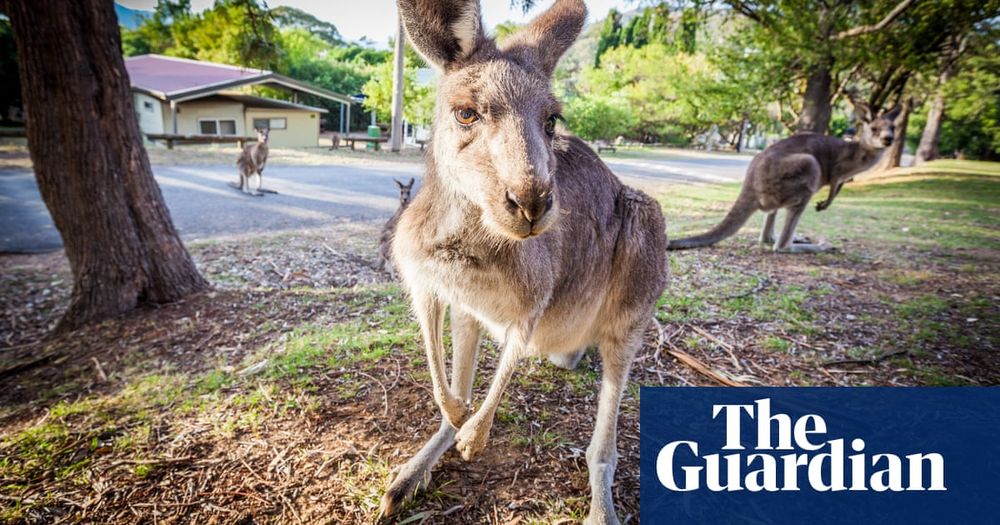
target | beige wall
[
  {"x": 301, "y": 130},
  {"x": 191, "y": 112},
  {"x": 149, "y": 111}
]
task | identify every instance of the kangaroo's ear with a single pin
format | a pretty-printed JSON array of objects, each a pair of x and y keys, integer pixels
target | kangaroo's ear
[
  {"x": 863, "y": 111},
  {"x": 400, "y": 184},
  {"x": 410, "y": 185},
  {"x": 893, "y": 113},
  {"x": 545, "y": 40},
  {"x": 443, "y": 31}
]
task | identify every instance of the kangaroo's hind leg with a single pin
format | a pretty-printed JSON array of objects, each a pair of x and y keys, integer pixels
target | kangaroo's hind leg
[
  {"x": 785, "y": 244},
  {"x": 415, "y": 475},
  {"x": 602, "y": 454},
  {"x": 767, "y": 233}
]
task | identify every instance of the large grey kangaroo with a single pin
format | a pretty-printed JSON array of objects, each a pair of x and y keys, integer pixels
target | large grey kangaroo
[
  {"x": 251, "y": 162},
  {"x": 788, "y": 173},
  {"x": 522, "y": 231}
]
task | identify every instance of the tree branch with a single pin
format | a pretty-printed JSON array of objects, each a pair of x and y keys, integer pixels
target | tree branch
[{"x": 861, "y": 30}]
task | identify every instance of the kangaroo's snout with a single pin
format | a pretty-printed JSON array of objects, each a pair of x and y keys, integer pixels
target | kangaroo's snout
[{"x": 532, "y": 206}]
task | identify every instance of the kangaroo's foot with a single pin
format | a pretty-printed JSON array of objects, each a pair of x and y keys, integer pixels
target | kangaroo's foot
[
  {"x": 265, "y": 190},
  {"x": 567, "y": 361},
  {"x": 471, "y": 438},
  {"x": 602, "y": 506},
  {"x": 805, "y": 248},
  {"x": 767, "y": 240},
  {"x": 415, "y": 475},
  {"x": 801, "y": 239},
  {"x": 255, "y": 193}
]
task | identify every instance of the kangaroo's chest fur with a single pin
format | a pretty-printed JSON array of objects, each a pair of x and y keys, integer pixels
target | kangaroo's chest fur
[
  {"x": 562, "y": 274},
  {"x": 255, "y": 156}
]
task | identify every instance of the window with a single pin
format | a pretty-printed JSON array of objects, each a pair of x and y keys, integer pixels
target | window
[
  {"x": 148, "y": 106},
  {"x": 270, "y": 123},
  {"x": 217, "y": 126}
]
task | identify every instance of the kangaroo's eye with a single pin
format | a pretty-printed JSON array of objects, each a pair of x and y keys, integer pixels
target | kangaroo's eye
[
  {"x": 466, "y": 116},
  {"x": 550, "y": 125}
]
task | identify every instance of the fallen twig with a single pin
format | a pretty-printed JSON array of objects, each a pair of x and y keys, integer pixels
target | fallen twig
[
  {"x": 725, "y": 346},
  {"x": 702, "y": 368}
]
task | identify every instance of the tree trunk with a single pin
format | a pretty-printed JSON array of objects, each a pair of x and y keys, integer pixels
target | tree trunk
[
  {"x": 894, "y": 155},
  {"x": 928, "y": 148},
  {"x": 90, "y": 163},
  {"x": 816, "y": 110},
  {"x": 396, "y": 133}
]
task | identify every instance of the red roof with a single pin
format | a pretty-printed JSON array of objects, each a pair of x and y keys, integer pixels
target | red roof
[{"x": 170, "y": 74}]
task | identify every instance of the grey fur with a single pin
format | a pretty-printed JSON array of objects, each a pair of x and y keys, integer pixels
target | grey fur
[{"x": 251, "y": 163}]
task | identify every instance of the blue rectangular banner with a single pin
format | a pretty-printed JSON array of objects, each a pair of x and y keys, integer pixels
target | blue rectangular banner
[{"x": 788, "y": 456}]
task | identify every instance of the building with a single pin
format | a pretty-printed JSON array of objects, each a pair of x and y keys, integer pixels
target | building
[{"x": 190, "y": 97}]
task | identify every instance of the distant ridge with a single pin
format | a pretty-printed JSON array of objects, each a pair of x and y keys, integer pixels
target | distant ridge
[{"x": 130, "y": 18}]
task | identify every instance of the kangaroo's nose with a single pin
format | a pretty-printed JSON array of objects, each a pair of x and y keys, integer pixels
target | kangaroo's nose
[{"x": 532, "y": 207}]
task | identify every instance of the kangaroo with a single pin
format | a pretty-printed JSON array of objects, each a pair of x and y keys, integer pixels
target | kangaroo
[
  {"x": 385, "y": 239},
  {"x": 522, "y": 232},
  {"x": 251, "y": 162},
  {"x": 788, "y": 173}
]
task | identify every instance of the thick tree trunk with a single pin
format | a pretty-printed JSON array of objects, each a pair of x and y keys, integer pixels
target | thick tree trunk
[
  {"x": 928, "y": 148},
  {"x": 90, "y": 163},
  {"x": 816, "y": 110},
  {"x": 894, "y": 155}
]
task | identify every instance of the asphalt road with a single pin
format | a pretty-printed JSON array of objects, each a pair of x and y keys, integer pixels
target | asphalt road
[{"x": 204, "y": 207}]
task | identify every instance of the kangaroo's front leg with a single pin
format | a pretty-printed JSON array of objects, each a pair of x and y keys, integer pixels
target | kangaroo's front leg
[
  {"x": 602, "y": 454},
  {"x": 415, "y": 475},
  {"x": 834, "y": 190},
  {"x": 430, "y": 314},
  {"x": 471, "y": 438}
]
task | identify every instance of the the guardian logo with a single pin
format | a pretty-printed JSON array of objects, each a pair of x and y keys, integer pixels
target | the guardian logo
[{"x": 789, "y": 455}]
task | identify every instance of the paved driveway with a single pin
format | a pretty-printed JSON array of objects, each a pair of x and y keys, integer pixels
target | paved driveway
[{"x": 203, "y": 207}]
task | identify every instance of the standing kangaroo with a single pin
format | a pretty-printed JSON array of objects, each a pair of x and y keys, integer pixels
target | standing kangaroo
[
  {"x": 522, "y": 231},
  {"x": 389, "y": 230},
  {"x": 251, "y": 162},
  {"x": 787, "y": 175}
]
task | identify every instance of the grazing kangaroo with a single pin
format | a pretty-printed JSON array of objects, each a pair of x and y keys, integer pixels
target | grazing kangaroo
[
  {"x": 787, "y": 175},
  {"x": 522, "y": 231},
  {"x": 251, "y": 162},
  {"x": 389, "y": 230}
]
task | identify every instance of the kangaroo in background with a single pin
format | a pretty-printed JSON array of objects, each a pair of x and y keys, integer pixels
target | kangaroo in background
[
  {"x": 788, "y": 173},
  {"x": 385, "y": 239},
  {"x": 251, "y": 162},
  {"x": 522, "y": 231}
]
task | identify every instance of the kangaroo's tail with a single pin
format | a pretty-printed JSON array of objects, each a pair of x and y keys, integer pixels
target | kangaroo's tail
[{"x": 742, "y": 209}]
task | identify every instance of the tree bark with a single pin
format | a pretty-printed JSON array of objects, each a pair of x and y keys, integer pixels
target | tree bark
[
  {"x": 90, "y": 163},
  {"x": 396, "y": 133},
  {"x": 816, "y": 110},
  {"x": 894, "y": 155},
  {"x": 928, "y": 148}
]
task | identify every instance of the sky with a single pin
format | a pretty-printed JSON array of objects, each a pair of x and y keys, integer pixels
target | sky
[{"x": 376, "y": 19}]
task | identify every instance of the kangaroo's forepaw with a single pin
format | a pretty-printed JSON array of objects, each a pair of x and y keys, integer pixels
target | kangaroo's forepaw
[
  {"x": 820, "y": 206},
  {"x": 402, "y": 489},
  {"x": 471, "y": 438},
  {"x": 454, "y": 410}
]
